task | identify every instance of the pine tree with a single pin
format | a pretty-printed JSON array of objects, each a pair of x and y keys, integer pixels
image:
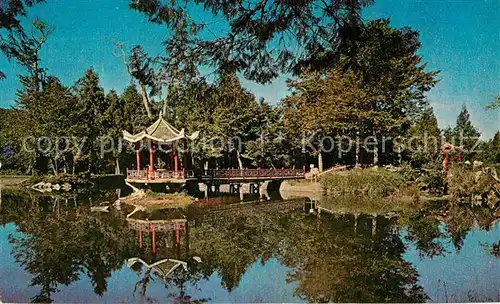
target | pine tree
[
  {"x": 91, "y": 107},
  {"x": 426, "y": 139},
  {"x": 465, "y": 134},
  {"x": 114, "y": 124},
  {"x": 135, "y": 118},
  {"x": 491, "y": 150},
  {"x": 10, "y": 25}
]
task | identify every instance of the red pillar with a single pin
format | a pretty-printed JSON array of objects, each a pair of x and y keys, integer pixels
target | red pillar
[
  {"x": 151, "y": 160},
  {"x": 176, "y": 162},
  {"x": 445, "y": 163},
  {"x": 140, "y": 236},
  {"x": 138, "y": 152},
  {"x": 171, "y": 165},
  {"x": 177, "y": 234},
  {"x": 153, "y": 241}
]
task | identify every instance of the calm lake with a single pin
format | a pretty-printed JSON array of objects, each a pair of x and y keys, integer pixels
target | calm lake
[{"x": 61, "y": 249}]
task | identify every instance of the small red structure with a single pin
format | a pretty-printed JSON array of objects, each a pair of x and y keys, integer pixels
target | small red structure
[
  {"x": 162, "y": 135},
  {"x": 446, "y": 149}
]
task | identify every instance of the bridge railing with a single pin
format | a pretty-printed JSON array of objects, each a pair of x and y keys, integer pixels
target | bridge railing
[
  {"x": 159, "y": 174},
  {"x": 253, "y": 173}
]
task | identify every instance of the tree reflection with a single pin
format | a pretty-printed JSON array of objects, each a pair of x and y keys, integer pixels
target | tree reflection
[
  {"x": 426, "y": 234},
  {"x": 333, "y": 264},
  {"x": 329, "y": 261},
  {"x": 59, "y": 242},
  {"x": 332, "y": 258}
]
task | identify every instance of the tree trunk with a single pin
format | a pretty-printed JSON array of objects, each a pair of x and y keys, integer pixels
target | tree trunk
[
  {"x": 240, "y": 163},
  {"x": 65, "y": 165},
  {"x": 29, "y": 168},
  {"x": 164, "y": 110},
  {"x": 145, "y": 100},
  {"x": 357, "y": 165},
  {"x": 357, "y": 156},
  {"x": 53, "y": 167},
  {"x": 375, "y": 150},
  {"x": 320, "y": 162},
  {"x": 117, "y": 166}
]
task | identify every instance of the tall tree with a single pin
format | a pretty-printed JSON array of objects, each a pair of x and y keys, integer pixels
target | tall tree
[
  {"x": 135, "y": 118},
  {"x": 465, "y": 134},
  {"x": 139, "y": 66},
  {"x": 113, "y": 123},
  {"x": 91, "y": 106},
  {"x": 425, "y": 139},
  {"x": 391, "y": 70},
  {"x": 330, "y": 104},
  {"x": 491, "y": 150}
]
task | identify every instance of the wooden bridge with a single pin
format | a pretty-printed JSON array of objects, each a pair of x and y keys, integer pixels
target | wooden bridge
[{"x": 221, "y": 175}]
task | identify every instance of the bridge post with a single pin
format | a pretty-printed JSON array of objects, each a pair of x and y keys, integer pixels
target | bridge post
[
  {"x": 356, "y": 222},
  {"x": 254, "y": 188},
  {"x": 263, "y": 190},
  {"x": 234, "y": 188},
  {"x": 374, "y": 224},
  {"x": 208, "y": 190}
]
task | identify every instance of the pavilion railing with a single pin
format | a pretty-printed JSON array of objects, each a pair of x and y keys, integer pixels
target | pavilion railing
[
  {"x": 253, "y": 173},
  {"x": 159, "y": 174}
]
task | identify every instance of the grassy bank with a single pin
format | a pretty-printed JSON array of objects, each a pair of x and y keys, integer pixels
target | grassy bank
[{"x": 370, "y": 183}]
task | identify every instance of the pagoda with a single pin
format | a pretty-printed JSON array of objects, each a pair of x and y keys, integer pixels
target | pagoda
[{"x": 164, "y": 135}]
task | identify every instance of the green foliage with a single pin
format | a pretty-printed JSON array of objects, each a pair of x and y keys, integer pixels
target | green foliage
[
  {"x": 373, "y": 183},
  {"x": 432, "y": 181},
  {"x": 490, "y": 153},
  {"x": 367, "y": 80},
  {"x": 464, "y": 134},
  {"x": 261, "y": 39},
  {"x": 464, "y": 181},
  {"x": 229, "y": 118},
  {"x": 426, "y": 139},
  {"x": 11, "y": 29}
]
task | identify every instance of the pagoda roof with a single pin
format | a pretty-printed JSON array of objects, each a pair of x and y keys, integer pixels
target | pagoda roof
[{"x": 160, "y": 131}]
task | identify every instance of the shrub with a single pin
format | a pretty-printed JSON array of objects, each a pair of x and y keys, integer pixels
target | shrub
[
  {"x": 376, "y": 182},
  {"x": 464, "y": 181},
  {"x": 10, "y": 172}
]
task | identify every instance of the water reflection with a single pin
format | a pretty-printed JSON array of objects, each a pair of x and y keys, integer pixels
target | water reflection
[{"x": 219, "y": 251}]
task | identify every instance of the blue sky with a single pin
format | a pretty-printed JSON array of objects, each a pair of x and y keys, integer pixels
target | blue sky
[{"x": 460, "y": 37}]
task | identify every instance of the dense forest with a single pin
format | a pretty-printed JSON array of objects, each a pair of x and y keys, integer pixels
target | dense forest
[{"x": 352, "y": 81}]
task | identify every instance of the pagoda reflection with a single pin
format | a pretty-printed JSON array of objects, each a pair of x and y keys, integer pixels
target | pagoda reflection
[{"x": 165, "y": 253}]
